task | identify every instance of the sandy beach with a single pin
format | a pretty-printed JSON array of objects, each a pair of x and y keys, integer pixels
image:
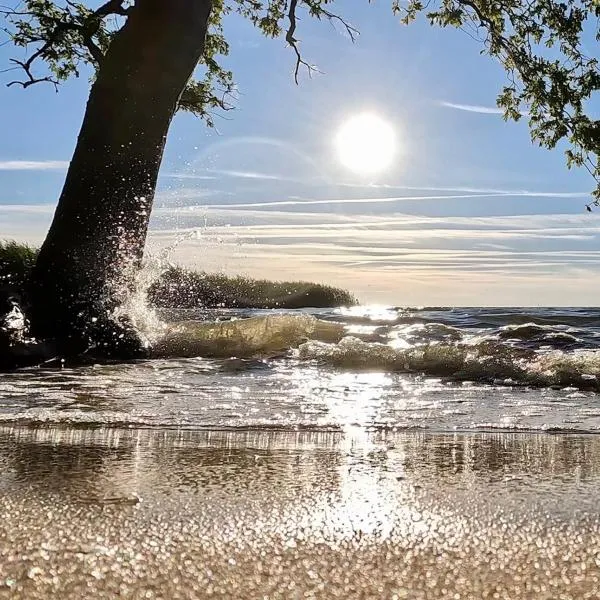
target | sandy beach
[{"x": 101, "y": 513}]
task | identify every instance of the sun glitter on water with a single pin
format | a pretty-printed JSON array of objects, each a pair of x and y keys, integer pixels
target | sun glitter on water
[{"x": 366, "y": 144}]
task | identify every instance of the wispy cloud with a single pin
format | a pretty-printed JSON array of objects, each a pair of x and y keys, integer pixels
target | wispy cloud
[
  {"x": 33, "y": 165},
  {"x": 474, "y": 108},
  {"x": 518, "y": 260},
  {"x": 246, "y": 174},
  {"x": 27, "y": 208},
  {"x": 250, "y": 175},
  {"x": 392, "y": 258},
  {"x": 466, "y": 189},
  {"x": 477, "y": 108},
  {"x": 174, "y": 175},
  {"x": 212, "y": 174},
  {"x": 392, "y": 199},
  {"x": 356, "y": 200}
]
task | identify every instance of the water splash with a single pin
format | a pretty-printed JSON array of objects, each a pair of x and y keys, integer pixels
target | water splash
[{"x": 135, "y": 307}]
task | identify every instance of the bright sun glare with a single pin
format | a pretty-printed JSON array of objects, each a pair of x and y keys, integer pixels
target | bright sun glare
[{"x": 366, "y": 144}]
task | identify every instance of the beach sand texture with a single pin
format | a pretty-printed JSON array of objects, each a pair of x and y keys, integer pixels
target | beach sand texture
[{"x": 108, "y": 512}]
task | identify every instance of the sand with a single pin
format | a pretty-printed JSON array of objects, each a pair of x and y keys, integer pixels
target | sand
[{"x": 256, "y": 514}]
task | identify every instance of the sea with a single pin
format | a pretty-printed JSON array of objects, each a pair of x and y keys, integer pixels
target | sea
[{"x": 437, "y": 369}]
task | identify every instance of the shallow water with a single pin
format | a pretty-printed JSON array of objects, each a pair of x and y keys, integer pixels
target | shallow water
[
  {"x": 352, "y": 453},
  {"x": 440, "y": 369}
]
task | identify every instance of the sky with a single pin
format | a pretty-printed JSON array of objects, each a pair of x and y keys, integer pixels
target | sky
[{"x": 468, "y": 213}]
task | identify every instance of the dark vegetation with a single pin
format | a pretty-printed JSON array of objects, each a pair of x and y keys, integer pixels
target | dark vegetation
[
  {"x": 16, "y": 263},
  {"x": 183, "y": 288}
]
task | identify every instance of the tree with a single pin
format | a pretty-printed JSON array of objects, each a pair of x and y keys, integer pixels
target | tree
[{"x": 145, "y": 53}]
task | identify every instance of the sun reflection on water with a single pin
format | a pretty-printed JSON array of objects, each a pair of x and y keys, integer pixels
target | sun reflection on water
[
  {"x": 368, "y": 500},
  {"x": 372, "y": 312}
]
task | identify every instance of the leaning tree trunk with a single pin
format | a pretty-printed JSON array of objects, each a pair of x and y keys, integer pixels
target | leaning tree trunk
[{"x": 97, "y": 237}]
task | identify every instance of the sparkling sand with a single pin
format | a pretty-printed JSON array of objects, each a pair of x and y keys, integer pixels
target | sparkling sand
[{"x": 101, "y": 513}]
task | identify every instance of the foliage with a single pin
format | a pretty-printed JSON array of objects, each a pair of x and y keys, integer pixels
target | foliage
[
  {"x": 552, "y": 78},
  {"x": 16, "y": 262},
  {"x": 67, "y": 36},
  {"x": 542, "y": 46},
  {"x": 183, "y": 288}
]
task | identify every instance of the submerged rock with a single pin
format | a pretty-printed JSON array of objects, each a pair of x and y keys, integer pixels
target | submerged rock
[{"x": 17, "y": 348}]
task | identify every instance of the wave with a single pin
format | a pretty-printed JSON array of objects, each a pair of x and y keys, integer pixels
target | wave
[
  {"x": 535, "y": 335},
  {"x": 519, "y": 355},
  {"x": 244, "y": 338},
  {"x": 485, "y": 361}
]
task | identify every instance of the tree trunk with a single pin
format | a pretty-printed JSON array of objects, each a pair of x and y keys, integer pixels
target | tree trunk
[{"x": 97, "y": 237}]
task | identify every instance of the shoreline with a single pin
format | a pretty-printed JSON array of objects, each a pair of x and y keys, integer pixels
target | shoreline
[{"x": 196, "y": 514}]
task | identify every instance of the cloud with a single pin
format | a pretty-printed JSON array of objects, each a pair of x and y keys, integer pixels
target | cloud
[
  {"x": 184, "y": 196},
  {"x": 392, "y": 258},
  {"x": 477, "y": 108},
  {"x": 391, "y": 199},
  {"x": 534, "y": 242},
  {"x": 440, "y": 270},
  {"x": 174, "y": 175},
  {"x": 248, "y": 174},
  {"x": 215, "y": 174},
  {"x": 474, "y": 108},
  {"x": 358, "y": 200},
  {"x": 43, "y": 209},
  {"x": 33, "y": 165},
  {"x": 25, "y": 222},
  {"x": 467, "y": 189}
]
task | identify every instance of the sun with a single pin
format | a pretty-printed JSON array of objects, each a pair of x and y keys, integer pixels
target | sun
[{"x": 366, "y": 144}]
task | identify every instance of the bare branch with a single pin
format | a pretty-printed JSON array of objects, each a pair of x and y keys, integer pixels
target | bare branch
[
  {"x": 293, "y": 42},
  {"x": 31, "y": 79},
  {"x": 352, "y": 32}
]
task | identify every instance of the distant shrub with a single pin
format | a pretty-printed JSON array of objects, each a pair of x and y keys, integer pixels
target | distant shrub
[
  {"x": 16, "y": 262},
  {"x": 184, "y": 288}
]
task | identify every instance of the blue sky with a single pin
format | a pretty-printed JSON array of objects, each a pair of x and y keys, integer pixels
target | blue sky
[{"x": 470, "y": 212}]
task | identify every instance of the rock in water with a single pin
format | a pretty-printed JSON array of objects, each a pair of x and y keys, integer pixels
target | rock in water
[
  {"x": 17, "y": 349},
  {"x": 13, "y": 324}
]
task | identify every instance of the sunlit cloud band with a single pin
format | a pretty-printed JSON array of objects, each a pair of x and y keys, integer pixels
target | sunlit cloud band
[{"x": 33, "y": 165}]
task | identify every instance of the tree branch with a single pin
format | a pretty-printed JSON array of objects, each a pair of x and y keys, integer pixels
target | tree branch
[
  {"x": 93, "y": 49},
  {"x": 293, "y": 42},
  {"x": 112, "y": 7},
  {"x": 315, "y": 10},
  {"x": 507, "y": 51},
  {"x": 86, "y": 27},
  {"x": 26, "y": 66},
  {"x": 319, "y": 12}
]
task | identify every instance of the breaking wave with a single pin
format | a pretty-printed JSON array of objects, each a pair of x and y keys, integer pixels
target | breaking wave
[
  {"x": 486, "y": 361},
  {"x": 243, "y": 338},
  {"x": 523, "y": 354}
]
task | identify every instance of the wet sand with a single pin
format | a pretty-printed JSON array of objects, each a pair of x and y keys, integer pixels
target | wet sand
[{"x": 101, "y": 513}]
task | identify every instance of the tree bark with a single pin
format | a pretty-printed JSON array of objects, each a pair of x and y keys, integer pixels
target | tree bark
[{"x": 97, "y": 236}]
